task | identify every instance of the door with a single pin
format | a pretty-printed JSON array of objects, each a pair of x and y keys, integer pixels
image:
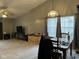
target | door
[{"x": 1, "y": 31}]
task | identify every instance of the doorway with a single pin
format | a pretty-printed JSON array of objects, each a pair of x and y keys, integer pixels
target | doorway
[{"x": 1, "y": 31}]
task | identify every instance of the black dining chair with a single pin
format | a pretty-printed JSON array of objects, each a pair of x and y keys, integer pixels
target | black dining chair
[{"x": 46, "y": 50}]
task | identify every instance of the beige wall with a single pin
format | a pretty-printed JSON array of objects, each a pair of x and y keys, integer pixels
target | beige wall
[
  {"x": 65, "y": 7},
  {"x": 34, "y": 21},
  {"x": 8, "y": 25}
]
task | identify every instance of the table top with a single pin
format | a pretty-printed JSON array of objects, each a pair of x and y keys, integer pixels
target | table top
[{"x": 63, "y": 42}]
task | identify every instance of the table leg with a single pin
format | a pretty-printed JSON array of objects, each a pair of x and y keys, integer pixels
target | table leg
[
  {"x": 71, "y": 49},
  {"x": 64, "y": 54}
]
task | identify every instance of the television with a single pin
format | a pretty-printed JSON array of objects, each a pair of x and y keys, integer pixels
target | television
[{"x": 20, "y": 29}]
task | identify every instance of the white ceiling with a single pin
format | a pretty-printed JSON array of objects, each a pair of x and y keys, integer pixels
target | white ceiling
[{"x": 20, "y": 7}]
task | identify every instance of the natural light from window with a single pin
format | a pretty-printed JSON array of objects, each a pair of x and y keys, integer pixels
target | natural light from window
[
  {"x": 51, "y": 26},
  {"x": 67, "y": 25}
]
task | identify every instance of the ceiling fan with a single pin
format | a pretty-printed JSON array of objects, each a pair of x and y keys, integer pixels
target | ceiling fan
[{"x": 4, "y": 12}]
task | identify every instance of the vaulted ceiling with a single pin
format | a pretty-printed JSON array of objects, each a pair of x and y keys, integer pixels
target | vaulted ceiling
[{"x": 20, "y": 7}]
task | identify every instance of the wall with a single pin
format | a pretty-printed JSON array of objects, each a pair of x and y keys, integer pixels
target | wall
[
  {"x": 34, "y": 21},
  {"x": 8, "y": 25},
  {"x": 65, "y": 7}
]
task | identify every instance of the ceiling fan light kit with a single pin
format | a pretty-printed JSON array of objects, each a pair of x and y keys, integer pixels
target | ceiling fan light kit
[
  {"x": 4, "y": 16},
  {"x": 4, "y": 12}
]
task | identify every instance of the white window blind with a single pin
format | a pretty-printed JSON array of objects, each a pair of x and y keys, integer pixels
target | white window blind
[
  {"x": 51, "y": 27},
  {"x": 67, "y": 25}
]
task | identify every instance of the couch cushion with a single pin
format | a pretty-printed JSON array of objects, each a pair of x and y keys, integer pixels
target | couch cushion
[{"x": 34, "y": 39}]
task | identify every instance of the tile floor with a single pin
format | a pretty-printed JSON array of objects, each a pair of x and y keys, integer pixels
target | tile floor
[
  {"x": 74, "y": 55},
  {"x": 18, "y": 49}
]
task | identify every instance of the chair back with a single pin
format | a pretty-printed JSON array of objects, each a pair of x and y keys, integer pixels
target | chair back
[
  {"x": 45, "y": 48},
  {"x": 64, "y": 35}
]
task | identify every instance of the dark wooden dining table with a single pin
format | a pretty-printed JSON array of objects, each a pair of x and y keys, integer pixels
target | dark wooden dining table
[{"x": 64, "y": 45}]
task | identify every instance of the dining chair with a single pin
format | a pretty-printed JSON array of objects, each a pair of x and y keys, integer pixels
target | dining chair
[
  {"x": 46, "y": 50},
  {"x": 65, "y": 35}
]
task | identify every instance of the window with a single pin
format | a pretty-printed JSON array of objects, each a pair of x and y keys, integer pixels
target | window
[
  {"x": 51, "y": 27},
  {"x": 67, "y": 25}
]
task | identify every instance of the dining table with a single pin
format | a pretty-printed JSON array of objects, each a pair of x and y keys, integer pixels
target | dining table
[{"x": 63, "y": 45}]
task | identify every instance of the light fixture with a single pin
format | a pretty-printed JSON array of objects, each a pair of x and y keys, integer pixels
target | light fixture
[
  {"x": 4, "y": 12},
  {"x": 4, "y": 16},
  {"x": 52, "y": 13}
]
